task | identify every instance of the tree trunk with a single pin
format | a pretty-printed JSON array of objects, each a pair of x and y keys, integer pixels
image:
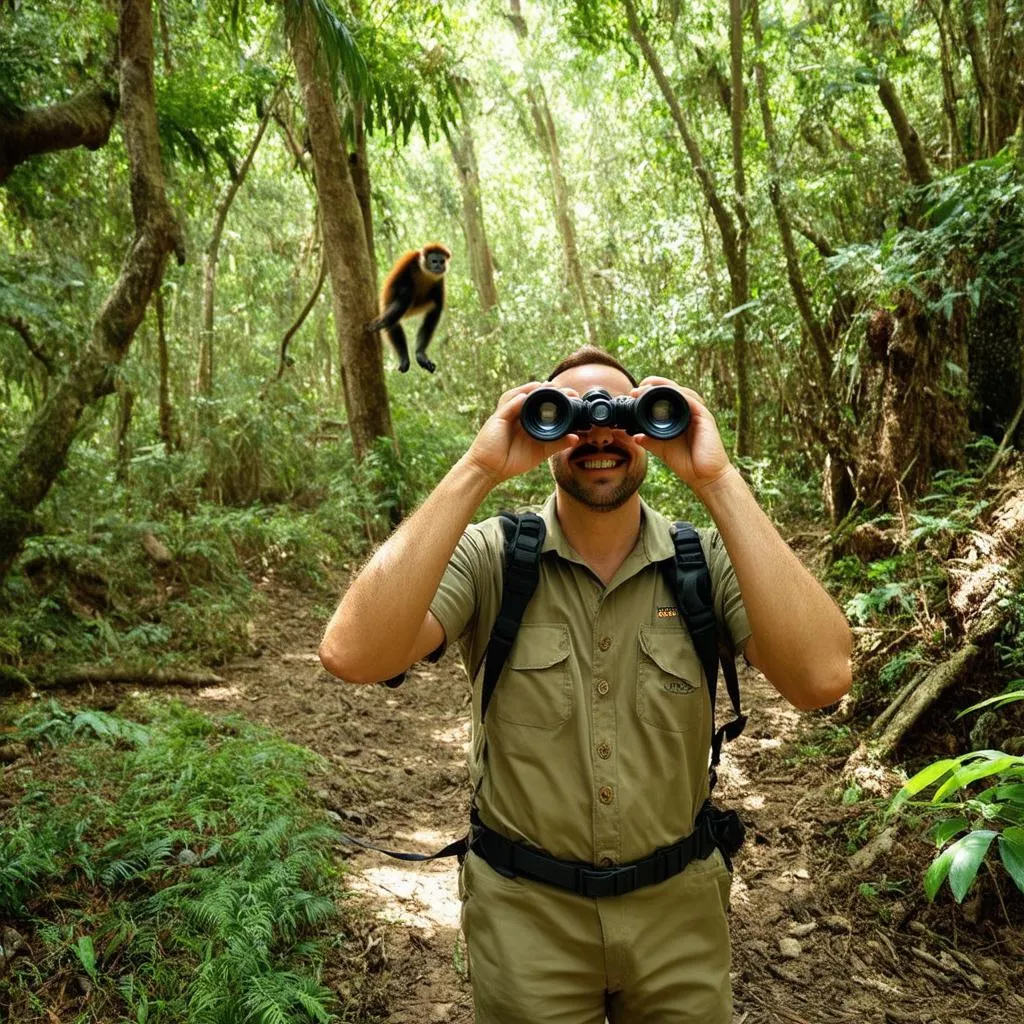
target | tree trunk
[
  {"x": 910, "y": 142},
  {"x": 948, "y": 62},
  {"x": 168, "y": 434},
  {"x": 740, "y": 273},
  {"x": 204, "y": 383},
  {"x": 27, "y": 478},
  {"x": 481, "y": 266},
  {"x": 85, "y": 120},
  {"x": 733, "y": 247},
  {"x": 547, "y": 138},
  {"x": 912, "y": 424},
  {"x": 359, "y": 168},
  {"x": 345, "y": 249}
]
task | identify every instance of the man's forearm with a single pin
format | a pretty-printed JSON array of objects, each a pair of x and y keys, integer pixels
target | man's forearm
[
  {"x": 801, "y": 638},
  {"x": 375, "y": 627}
]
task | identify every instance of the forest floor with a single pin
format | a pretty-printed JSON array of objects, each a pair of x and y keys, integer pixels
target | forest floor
[{"x": 816, "y": 938}]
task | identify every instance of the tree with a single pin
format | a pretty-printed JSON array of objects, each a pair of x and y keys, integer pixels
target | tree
[
  {"x": 547, "y": 139},
  {"x": 345, "y": 244},
  {"x": 733, "y": 224},
  {"x": 28, "y": 477},
  {"x": 481, "y": 265}
]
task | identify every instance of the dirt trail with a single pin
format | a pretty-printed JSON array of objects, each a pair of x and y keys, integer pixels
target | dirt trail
[{"x": 808, "y": 948}]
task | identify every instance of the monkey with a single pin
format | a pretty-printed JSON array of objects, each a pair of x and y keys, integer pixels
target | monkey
[{"x": 414, "y": 285}]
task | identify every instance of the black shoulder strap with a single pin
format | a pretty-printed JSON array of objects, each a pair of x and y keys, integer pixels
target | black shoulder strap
[
  {"x": 690, "y": 579},
  {"x": 524, "y": 538}
]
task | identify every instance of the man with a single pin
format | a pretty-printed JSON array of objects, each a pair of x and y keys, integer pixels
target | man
[{"x": 597, "y": 735}]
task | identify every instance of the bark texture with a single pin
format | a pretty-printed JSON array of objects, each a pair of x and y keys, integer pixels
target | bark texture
[
  {"x": 84, "y": 120},
  {"x": 354, "y": 299},
  {"x": 25, "y": 481}
]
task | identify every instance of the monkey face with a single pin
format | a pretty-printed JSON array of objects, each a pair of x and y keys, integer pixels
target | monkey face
[{"x": 435, "y": 262}]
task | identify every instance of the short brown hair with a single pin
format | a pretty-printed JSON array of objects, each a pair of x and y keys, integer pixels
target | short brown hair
[{"x": 590, "y": 354}]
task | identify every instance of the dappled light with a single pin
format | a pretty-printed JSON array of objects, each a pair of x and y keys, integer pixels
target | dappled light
[{"x": 282, "y": 291}]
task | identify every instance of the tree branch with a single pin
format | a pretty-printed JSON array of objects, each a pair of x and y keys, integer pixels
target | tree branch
[
  {"x": 22, "y": 328},
  {"x": 84, "y": 120}
]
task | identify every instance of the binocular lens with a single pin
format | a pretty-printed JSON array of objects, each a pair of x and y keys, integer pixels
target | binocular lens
[
  {"x": 661, "y": 411},
  {"x": 547, "y": 413}
]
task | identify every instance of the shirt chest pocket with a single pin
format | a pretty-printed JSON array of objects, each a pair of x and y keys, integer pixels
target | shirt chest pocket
[
  {"x": 670, "y": 688},
  {"x": 536, "y": 687}
]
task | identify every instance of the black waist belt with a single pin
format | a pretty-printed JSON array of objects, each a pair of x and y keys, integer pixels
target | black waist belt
[{"x": 516, "y": 860}]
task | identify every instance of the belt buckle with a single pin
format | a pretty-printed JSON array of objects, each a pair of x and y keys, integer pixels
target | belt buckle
[{"x": 609, "y": 882}]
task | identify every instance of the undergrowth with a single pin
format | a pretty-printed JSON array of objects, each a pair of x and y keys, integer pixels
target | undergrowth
[{"x": 172, "y": 868}]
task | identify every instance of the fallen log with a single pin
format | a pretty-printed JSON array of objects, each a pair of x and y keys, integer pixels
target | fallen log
[
  {"x": 990, "y": 566},
  {"x": 84, "y": 675}
]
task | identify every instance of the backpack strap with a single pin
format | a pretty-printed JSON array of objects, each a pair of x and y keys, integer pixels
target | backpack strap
[
  {"x": 690, "y": 579},
  {"x": 524, "y": 538}
]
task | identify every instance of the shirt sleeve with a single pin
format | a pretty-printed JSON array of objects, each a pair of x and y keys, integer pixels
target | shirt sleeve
[
  {"x": 458, "y": 598},
  {"x": 729, "y": 609}
]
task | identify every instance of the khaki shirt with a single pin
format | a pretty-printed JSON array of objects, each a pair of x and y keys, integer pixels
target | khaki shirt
[{"x": 599, "y": 729}]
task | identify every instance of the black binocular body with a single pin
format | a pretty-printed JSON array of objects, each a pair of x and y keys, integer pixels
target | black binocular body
[{"x": 660, "y": 412}]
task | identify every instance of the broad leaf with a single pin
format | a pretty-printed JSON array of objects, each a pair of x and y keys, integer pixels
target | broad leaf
[
  {"x": 973, "y": 772},
  {"x": 945, "y": 830},
  {"x": 1011, "y": 849},
  {"x": 960, "y": 863},
  {"x": 999, "y": 698},
  {"x": 922, "y": 780}
]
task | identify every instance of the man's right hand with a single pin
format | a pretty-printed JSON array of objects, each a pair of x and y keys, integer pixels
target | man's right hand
[{"x": 503, "y": 449}]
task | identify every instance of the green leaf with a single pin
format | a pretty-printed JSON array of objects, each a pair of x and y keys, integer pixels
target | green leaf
[
  {"x": 922, "y": 780},
  {"x": 999, "y": 698},
  {"x": 86, "y": 953},
  {"x": 961, "y": 863},
  {"x": 1011, "y": 850},
  {"x": 945, "y": 830},
  {"x": 973, "y": 772}
]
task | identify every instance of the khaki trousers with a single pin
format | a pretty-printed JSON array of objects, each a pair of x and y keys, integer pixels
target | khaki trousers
[{"x": 541, "y": 955}]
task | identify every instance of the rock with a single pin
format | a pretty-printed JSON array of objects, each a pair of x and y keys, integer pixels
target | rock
[
  {"x": 800, "y": 931},
  {"x": 12, "y": 752},
  {"x": 11, "y": 943},
  {"x": 878, "y": 847},
  {"x": 156, "y": 549},
  {"x": 837, "y": 923},
  {"x": 790, "y": 948}
]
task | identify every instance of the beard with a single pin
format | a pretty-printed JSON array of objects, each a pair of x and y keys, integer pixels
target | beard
[{"x": 600, "y": 497}]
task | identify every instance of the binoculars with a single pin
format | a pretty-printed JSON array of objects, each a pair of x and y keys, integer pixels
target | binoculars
[{"x": 660, "y": 412}]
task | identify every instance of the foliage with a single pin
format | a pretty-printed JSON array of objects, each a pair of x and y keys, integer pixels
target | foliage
[
  {"x": 983, "y": 787},
  {"x": 177, "y": 860}
]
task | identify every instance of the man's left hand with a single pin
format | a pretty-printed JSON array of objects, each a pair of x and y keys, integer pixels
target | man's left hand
[{"x": 697, "y": 456}]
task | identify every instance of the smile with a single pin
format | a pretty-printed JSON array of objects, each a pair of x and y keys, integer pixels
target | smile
[{"x": 598, "y": 463}]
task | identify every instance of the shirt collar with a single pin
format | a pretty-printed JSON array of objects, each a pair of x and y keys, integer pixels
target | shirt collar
[{"x": 655, "y": 542}]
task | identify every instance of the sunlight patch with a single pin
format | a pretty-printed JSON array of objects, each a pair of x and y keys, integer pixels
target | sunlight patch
[
  {"x": 220, "y": 692},
  {"x": 421, "y": 897},
  {"x": 456, "y": 735}
]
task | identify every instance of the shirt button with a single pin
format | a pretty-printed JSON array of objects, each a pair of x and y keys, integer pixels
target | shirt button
[
  {"x": 602, "y": 686},
  {"x": 604, "y": 643},
  {"x": 604, "y": 750},
  {"x": 605, "y": 794}
]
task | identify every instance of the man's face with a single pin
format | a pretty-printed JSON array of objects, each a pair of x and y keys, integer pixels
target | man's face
[{"x": 607, "y": 467}]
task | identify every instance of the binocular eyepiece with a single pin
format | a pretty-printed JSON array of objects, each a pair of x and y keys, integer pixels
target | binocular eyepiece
[{"x": 660, "y": 412}]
